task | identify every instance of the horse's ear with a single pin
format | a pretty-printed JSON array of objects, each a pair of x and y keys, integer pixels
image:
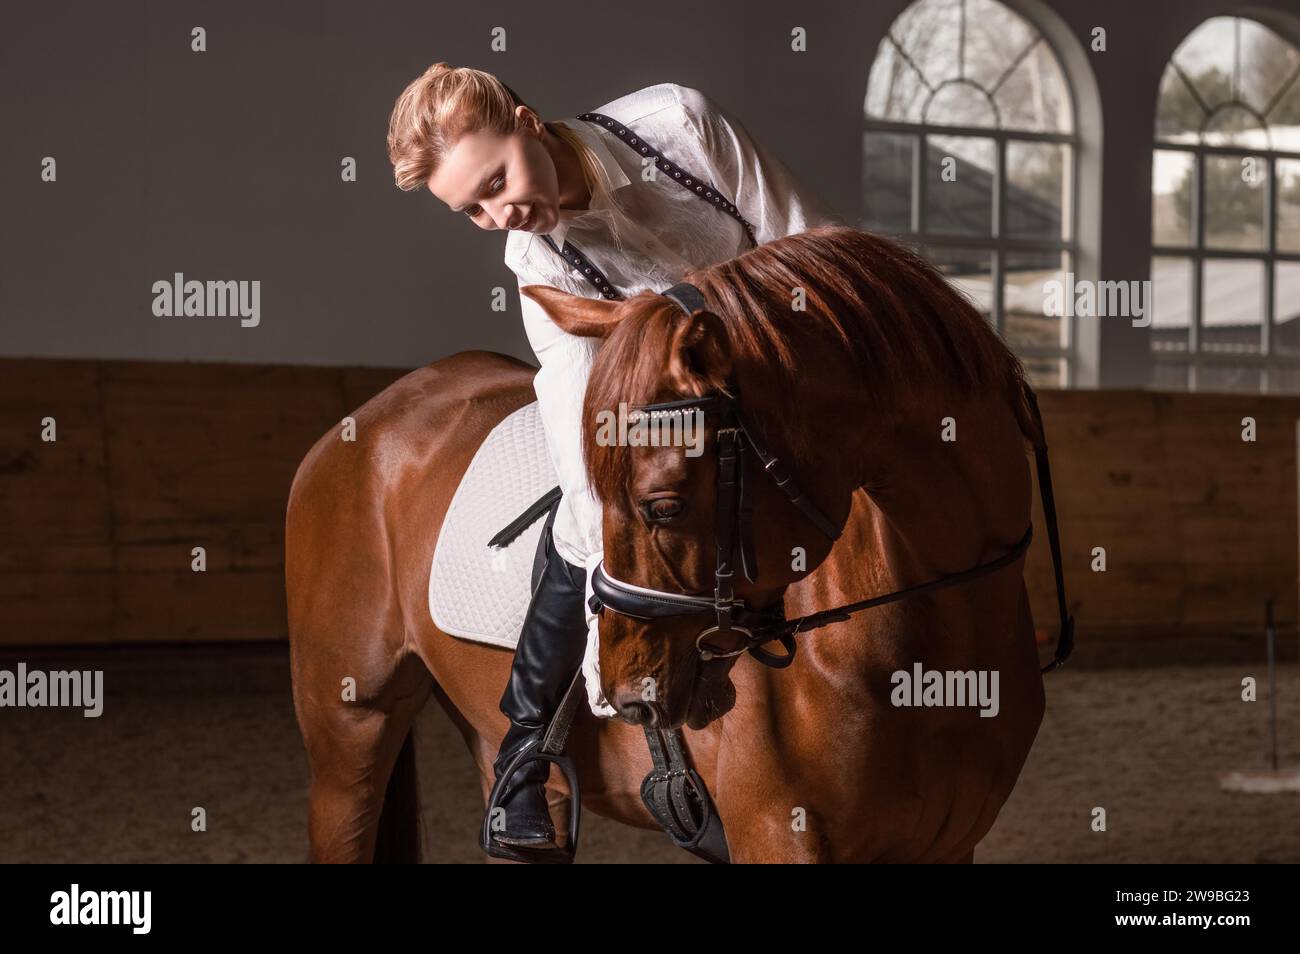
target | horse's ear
[
  {"x": 699, "y": 355},
  {"x": 586, "y": 317}
]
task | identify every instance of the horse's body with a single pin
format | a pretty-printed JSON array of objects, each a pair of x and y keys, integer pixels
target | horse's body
[
  {"x": 813, "y": 762},
  {"x": 363, "y": 522}
]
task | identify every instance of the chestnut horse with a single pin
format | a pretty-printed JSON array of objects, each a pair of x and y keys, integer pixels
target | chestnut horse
[{"x": 901, "y": 414}]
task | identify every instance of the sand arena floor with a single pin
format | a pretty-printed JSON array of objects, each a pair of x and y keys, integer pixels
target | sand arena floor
[{"x": 215, "y": 727}]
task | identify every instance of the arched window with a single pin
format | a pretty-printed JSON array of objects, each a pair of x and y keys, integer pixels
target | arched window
[
  {"x": 1226, "y": 212},
  {"x": 969, "y": 154}
]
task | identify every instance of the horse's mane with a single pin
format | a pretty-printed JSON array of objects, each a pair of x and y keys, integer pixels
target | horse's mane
[{"x": 909, "y": 332}]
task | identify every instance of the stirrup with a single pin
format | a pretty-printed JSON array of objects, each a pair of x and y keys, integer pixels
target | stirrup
[{"x": 549, "y": 748}]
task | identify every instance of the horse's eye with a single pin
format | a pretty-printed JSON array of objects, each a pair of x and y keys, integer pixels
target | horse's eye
[{"x": 663, "y": 509}]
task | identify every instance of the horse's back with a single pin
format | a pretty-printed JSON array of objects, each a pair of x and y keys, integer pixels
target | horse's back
[
  {"x": 472, "y": 388},
  {"x": 377, "y": 487}
]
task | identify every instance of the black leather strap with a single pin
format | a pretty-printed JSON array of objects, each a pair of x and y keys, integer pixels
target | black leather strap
[
  {"x": 525, "y": 520},
  {"x": 1065, "y": 640},
  {"x": 578, "y": 259},
  {"x": 689, "y": 298},
  {"x": 685, "y": 179},
  {"x": 571, "y": 254},
  {"x": 679, "y": 800},
  {"x": 748, "y": 555},
  {"x": 841, "y": 613}
]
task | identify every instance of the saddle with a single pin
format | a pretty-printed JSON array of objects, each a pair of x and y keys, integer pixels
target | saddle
[{"x": 480, "y": 592}]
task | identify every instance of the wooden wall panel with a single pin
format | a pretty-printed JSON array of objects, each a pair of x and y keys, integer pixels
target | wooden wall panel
[
  {"x": 153, "y": 459},
  {"x": 56, "y": 556},
  {"x": 1199, "y": 526}
]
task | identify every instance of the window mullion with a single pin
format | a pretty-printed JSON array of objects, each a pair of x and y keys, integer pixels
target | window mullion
[
  {"x": 999, "y": 224},
  {"x": 1270, "y": 231},
  {"x": 920, "y": 144},
  {"x": 1198, "y": 262}
]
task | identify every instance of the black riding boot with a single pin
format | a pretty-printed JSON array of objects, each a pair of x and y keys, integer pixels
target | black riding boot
[{"x": 551, "y": 646}]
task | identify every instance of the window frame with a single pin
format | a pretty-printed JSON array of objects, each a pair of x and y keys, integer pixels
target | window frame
[
  {"x": 1197, "y": 253},
  {"x": 997, "y": 243}
]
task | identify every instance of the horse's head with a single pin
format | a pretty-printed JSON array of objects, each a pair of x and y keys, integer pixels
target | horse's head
[{"x": 666, "y": 513}]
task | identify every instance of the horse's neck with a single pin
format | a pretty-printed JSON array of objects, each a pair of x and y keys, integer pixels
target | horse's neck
[
  {"x": 940, "y": 506},
  {"x": 926, "y": 511},
  {"x": 947, "y": 479}
]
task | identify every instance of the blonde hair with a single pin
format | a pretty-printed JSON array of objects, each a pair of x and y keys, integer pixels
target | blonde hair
[{"x": 447, "y": 102}]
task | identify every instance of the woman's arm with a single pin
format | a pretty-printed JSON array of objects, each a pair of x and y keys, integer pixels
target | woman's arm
[
  {"x": 544, "y": 335},
  {"x": 560, "y": 386},
  {"x": 767, "y": 194}
]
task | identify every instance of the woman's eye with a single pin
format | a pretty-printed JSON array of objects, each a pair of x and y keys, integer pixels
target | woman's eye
[
  {"x": 495, "y": 186},
  {"x": 663, "y": 509}
]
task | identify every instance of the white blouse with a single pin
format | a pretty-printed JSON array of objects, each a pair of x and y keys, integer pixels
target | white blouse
[{"x": 647, "y": 235}]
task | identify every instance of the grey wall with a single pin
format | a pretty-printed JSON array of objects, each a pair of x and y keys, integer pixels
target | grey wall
[{"x": 225, "y": 164}]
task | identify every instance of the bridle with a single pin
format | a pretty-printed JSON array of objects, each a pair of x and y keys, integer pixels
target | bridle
[{"x": 733, "y": 527}]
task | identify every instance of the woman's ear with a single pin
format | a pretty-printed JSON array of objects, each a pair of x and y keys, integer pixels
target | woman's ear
[
  {"x": 528, "y": 120},
  {"x": 586, "y": 317},
  {"x": 699, "y": 356}
]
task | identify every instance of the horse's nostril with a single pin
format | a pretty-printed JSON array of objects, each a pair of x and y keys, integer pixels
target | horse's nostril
[{"x": 632, "y": 708}]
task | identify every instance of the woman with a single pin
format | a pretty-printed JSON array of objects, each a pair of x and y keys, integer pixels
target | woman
[{"x": 595, "y": 206}]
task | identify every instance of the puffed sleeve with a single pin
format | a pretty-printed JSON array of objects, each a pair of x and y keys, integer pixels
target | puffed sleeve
[{"x": 767, "y": 194}]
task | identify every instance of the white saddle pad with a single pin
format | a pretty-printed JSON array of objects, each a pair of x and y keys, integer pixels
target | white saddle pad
[{"x": 478, "y": 592}]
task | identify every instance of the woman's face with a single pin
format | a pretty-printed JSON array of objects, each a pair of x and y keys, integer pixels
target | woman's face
[{"x": 501, "y": 182}]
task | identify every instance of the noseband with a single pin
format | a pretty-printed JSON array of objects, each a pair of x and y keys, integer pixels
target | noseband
[{"x": 733, "y": 525}]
